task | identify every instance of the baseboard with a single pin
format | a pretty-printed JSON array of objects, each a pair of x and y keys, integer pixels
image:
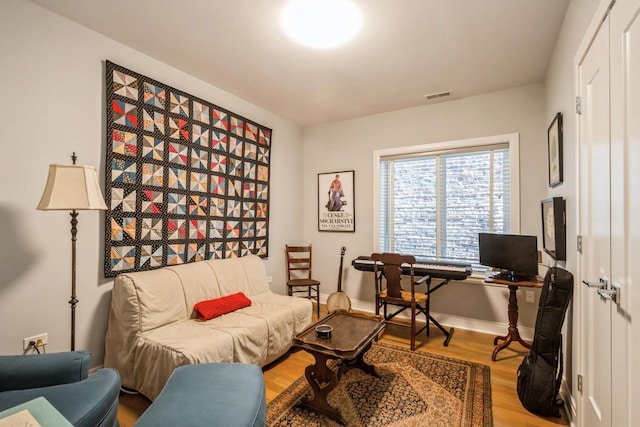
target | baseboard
[{"x": 475, "y": 325}]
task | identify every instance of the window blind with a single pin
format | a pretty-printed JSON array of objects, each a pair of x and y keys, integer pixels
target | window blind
[{"x": 433, "y": 205}]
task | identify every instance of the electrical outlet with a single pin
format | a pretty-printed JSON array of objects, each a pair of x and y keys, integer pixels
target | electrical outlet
[
  {"x": 529, "y": 296},
  {"x": 40, "y": 340}
]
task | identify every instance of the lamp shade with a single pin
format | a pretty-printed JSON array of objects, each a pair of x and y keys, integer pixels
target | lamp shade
[{"x": 72, "y": 187}]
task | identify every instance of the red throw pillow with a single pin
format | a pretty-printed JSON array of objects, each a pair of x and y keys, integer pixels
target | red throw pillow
[{"x": 208, "y": 309}]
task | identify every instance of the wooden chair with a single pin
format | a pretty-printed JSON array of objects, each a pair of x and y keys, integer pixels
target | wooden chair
[
  {"x": 299, "y": 274},
  {"x": 389, "y": 291}
]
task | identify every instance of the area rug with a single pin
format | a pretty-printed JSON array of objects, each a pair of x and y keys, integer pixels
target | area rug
[{"x": 415, "y": 389}]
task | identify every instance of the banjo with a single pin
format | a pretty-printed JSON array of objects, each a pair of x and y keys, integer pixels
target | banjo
[{"x": 339, "y": 300}]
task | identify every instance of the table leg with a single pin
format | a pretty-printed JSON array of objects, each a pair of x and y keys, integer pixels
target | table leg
[
  {"x": 322, "y": 381},
  {"x": 513, "y": 334},
  {"x": 358, "y": 363}
]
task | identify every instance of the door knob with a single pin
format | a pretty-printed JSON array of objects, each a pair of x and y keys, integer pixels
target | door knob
[
  {"x": 601, "y": 284},
  {"x": 612, "y": 294}
]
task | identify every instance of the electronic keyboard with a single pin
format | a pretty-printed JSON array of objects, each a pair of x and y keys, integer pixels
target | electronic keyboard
[{"x": 435, "y": 269}]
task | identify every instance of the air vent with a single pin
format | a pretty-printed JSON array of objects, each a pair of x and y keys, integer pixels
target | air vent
[{"x": 438, "y": 95}]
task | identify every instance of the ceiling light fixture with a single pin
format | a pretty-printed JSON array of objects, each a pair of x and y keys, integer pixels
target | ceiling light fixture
[{"x": 321, "y": 24}]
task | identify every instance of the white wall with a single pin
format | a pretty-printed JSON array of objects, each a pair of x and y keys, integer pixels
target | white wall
[
  {"x": 560, "y": 97},
  {"x": 52, "y": 86},
  {"x": 350, "y": 144}
]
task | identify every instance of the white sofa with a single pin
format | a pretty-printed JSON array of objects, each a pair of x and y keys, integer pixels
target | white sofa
[{"x": 153, "y": 329}]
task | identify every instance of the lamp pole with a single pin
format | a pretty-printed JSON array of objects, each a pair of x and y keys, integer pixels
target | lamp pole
[{"x": 74, "y": 300}]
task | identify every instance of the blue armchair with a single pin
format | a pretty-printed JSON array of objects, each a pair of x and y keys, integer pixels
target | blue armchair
[
  {"x": 207, "y": 394},
  {"x": 62, "y": 378}
]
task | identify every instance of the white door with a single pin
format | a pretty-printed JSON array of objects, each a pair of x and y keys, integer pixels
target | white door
[
  {"x": 594, "y": 263},
  {"x": 625, "y": 208},
  {"x": 609, "y": 144}
]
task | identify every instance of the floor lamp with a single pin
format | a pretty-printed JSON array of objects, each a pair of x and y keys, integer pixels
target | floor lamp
[{"x": 72, "y": 188}]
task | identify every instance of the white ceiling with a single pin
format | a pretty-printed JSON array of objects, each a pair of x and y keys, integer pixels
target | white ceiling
[{"x": 407, "y": 49}]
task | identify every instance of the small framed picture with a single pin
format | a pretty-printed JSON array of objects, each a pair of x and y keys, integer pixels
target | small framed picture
[
  {"x": 554, "y": 228},
  {"x": 336, "y": 201},
  {"x": 554, "y": 141}
]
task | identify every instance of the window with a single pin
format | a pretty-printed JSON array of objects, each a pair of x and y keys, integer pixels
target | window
[{"x": 433, "y": 200}]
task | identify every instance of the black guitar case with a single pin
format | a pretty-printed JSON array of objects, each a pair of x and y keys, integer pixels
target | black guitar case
[{"x": 540, "y": 374}]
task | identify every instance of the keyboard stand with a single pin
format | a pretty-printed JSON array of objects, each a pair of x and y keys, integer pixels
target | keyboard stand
[
  {"x": 365, "y": 263},
  {"x": 448, "y": 334}
]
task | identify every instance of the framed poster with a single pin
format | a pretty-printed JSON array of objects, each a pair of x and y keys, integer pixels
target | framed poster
[
  {"x": 554, "y": 141},
  {"x": 336, "y": 201},
  {"x": 554, "y": 228}
]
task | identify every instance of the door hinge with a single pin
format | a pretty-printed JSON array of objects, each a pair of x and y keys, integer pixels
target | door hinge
[
  {"x": 578, "y": 105},
  {"x": 579, "y": 243},
  {"x": 580, "y": 383}
]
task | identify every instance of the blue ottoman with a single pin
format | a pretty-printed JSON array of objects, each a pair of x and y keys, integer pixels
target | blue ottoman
[{"x": 210, "y": 394}]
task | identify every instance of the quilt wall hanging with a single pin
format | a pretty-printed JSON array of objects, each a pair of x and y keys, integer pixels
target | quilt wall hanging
[{"x": 186, "y": 180}]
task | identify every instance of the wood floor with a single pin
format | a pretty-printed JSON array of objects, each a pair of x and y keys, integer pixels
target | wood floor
[{"x": 466, "y": 345}]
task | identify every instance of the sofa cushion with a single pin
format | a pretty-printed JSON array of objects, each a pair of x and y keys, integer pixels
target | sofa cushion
[
  {"x": 250, "y": 335},
  {"x": 160, "y": 297},
  {"x": 280, "y": 325},
  {"x": 299, "y": 308},
  {"x": 231, "y": 276},
  {"x": 256, "y": 273},
  {"x": 198, "y": 281},
  {"x": 186, "y": 342},
  {"x": 211, "y": 308}
]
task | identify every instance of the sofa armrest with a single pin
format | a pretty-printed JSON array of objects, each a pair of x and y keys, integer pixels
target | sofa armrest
[{"x": 42, "y": 370}]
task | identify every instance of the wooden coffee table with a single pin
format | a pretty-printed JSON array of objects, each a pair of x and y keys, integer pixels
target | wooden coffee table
[{"x": 352, "y": 336}]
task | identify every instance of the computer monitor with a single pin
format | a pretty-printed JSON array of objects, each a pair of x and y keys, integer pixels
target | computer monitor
[{"x": 516, "y": 256}]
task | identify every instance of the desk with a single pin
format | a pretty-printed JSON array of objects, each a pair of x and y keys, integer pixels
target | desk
[{"x": 512, "y": 334}]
